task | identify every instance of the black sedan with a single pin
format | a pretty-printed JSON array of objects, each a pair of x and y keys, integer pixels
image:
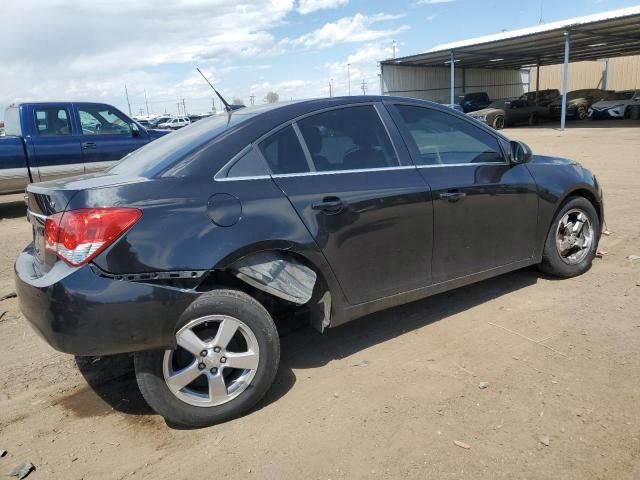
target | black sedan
[{"x": 190, "y": 249}]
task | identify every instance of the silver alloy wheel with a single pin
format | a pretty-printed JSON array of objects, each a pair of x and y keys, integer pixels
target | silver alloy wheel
[
  {"x": 216, "y": 360},
  {"x": 498, "y": 122},
  {"x": 574, "y": 236}
]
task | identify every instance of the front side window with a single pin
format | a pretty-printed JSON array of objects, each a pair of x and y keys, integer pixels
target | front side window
[
  {"x": 444, "y": 139},
  {"x": 52, "y": 121},
  {"x": 102, "y": 121},
  {"x": 348, "y": 139},
  {"x": 283, "y": 152}
]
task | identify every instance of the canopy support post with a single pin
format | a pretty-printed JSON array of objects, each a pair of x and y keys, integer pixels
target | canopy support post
[
  {"x": 453, "y": 77},
  {"x": 565, "y": 79}
]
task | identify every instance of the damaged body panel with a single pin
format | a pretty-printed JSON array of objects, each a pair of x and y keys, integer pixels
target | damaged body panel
[{"x": 286, "y": 279}]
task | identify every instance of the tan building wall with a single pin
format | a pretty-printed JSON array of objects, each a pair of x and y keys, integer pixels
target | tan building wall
[
  {"x": 624, "y": 73},
  {"x": 433, "y": 83}
]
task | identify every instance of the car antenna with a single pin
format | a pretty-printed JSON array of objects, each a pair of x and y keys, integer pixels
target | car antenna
[{"x": 228, "y": 108}]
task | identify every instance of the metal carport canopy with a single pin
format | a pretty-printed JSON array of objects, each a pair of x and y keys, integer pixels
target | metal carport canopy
[{"x": 610, "y": 34}]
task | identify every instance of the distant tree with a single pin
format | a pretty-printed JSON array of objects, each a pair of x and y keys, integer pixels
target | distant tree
[
  {"x": 272, "y": 97},
  {"x": 237, "y": 101}
]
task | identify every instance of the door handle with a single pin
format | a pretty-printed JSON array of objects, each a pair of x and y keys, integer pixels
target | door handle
[
  {"x": 328, "y": 205},
  {"x": 453, "y": 196},
  {"x": 89, "y": 145}
]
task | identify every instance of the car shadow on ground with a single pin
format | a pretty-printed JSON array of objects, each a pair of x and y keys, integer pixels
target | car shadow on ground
[
  {"x": 112, "y": 379},
  {"x": 309, "y": 349},
  {"x": 13, "y": 209}
]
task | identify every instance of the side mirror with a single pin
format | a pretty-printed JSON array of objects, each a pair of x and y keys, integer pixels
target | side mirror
[
  {"x": 135, "y": 130},
  {"x": 520, "y": 152}
]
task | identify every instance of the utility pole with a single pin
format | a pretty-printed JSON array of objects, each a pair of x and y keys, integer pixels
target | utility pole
[
  {"x": 331, "y": 87},
  {"x": 252, "y": 99},
  {"x": 126, "y": 94},
  {"x": 364, "y": 87},
  {"x": 178, "y": 105},
  {"x": 393, "y": 45},
  {"x": 184, "y": 108},
  {"x": 349, "y": 77},
  {"x": 146, "y": 101}
]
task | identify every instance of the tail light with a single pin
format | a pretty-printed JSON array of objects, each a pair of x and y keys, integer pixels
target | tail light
[{"x": 78, "y": 236}]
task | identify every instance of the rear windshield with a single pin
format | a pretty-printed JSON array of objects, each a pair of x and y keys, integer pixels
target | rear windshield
[{"x": 161, "y": 154}]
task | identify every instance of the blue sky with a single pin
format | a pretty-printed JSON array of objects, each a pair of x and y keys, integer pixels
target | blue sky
[{"x": 70, "y": 49}]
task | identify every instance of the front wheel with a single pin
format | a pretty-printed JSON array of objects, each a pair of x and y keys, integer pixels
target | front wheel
[
  {"x": 226, "y": 359},
  {"x": 498, "y": 122},
  {"x": 572, "y": 239}
]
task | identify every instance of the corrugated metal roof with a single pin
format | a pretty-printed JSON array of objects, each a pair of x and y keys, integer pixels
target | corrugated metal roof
[{"x": 603, "y": 35}]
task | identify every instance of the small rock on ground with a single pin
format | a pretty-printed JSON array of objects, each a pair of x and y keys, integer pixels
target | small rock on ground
[
  {"x": 460, "y": 444},
  {"x": 545, "y": 440},
  {"x": 21, "y": 471},
  {"x": 361, "y": 363},
  {"x": 483, "y": 385}
]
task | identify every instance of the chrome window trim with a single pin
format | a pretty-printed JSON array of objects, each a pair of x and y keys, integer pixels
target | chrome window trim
[
  {"x": 440, "y": 165},
  {"x": 333, "y": 172}
]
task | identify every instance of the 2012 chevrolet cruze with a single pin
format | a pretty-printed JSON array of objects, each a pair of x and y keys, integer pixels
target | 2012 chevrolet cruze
[{"x": 187, "y": 250}]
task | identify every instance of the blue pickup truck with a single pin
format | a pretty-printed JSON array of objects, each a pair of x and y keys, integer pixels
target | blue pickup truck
[{"x": 48, "y": 140}]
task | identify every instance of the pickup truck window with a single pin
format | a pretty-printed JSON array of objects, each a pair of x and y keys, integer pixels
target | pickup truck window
[
  {"x": 102, "y": 121},
  {"x": 52, "y": 121}
]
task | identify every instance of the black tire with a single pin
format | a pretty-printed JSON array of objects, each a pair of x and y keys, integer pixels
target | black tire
[
  {"x": 581, "y": 113},
  {"x": 533, "y": 119},
  {"x": 237, "y": 304},
  {"x": 552, "y": 263},
  {"x": 498, "y": 122}
]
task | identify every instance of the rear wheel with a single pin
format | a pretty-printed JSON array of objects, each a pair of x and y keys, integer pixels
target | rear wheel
[
  {"x": 572, "y": 239},
  {"x": 533, "y": 119},
  {"x": 582, "y": 113},
  {"x": 498, "y": 122},
  {"x": 226, "y": 359}
]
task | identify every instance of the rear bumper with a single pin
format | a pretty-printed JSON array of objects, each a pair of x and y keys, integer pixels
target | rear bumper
[{"x": 78, "y": 311}]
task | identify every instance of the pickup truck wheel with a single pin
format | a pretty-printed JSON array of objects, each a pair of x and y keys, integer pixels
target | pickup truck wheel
[
  {"x": 572, "y": 239},
  {"x": 226, "y": 359},
  {"x": 498, "y": 122},
  {"x": 582, "y": 113}
]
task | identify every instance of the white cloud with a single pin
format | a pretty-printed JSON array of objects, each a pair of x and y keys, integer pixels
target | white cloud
[
  {"x": 433, "y": 2},
  {"x": 308, "y": 6},
  {"x": 349, "y": 30}
]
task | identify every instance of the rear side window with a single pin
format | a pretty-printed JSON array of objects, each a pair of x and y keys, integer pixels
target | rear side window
[
  {"x": 444, "y": 139},
  {"x": 348, "y": 139},
  {"x": 52, "y": 121},
  {"x": 248, "y": 165},
  {"x": 283, "y": 152}
]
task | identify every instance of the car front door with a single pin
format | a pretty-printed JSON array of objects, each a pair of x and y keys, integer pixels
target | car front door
[
  {"x": 107, "y": 136},
  {"x": 55, "y": 146},
  {"x": 364, "y": 203},
  {"x": 485, "y": 209}
]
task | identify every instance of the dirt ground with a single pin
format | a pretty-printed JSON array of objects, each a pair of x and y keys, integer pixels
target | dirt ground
[{"x": 385, "y": 396}]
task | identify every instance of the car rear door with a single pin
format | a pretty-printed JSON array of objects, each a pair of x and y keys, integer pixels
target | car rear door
[
  {"x": 54, "y": 148},
  {"x": 358, "y": 194},
  {"x": 107, "y": 136},
  {"x": 485, "y": 209}
]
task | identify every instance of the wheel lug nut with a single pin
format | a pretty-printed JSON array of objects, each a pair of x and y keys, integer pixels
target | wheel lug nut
[
  {"x": 216, "y": 349},
  {"x": 203, "y": 353},
  {"x": 223, "y": 359},
  {"x": 214, "y": 370},
  {"x": 201, "y": 366}
]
